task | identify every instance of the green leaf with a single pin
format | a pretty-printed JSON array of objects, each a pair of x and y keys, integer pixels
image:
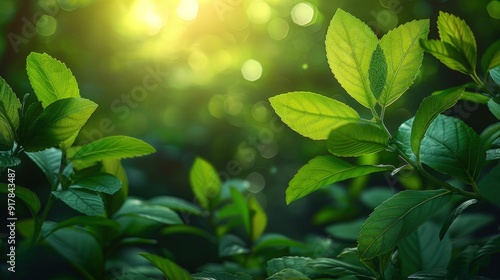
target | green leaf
[
  {"x": 377, "y": 73},
  {"x": 402, "y": 138},
  {"x": 325, "y": 170},
  {"x": 92, "y": 221},
  {"x": 350, "y": 44},
  {"x": 468, "y": 223},
  {"x": 404, "y": 57},
  {"x": 138, "y": 209},
  {"x": 258, "y": 218},
  {"x": 424, "y": 251},
  {"x": 312, "y": 115},
  {"x": 78, "y": 247},
  {"x": 494, "y": 108},
  {"x": 170, "y": 269},
  {"x": 205, "y": 182},
  {"x": 50, "y": 78},
  {"x": 490, "y": 134},
  {"x": 298, "y": 263},
  {"x": 482, "y": 256},
  {"x": 334, "y": 267},
  {"x": 9, "y": 115},
  {"x": 49, "y": 161},
  {"x": 111, "y": 147},
  {"x": 495, "y": 74},
  {"x": 232, "y": 245},
  {"x": 288, "y": 274},
  {"x": 437, "y": 274},
  {"x": 489, "y": 187},
  {"x": 274, "y": 241},
  {"x": 58, "y": 122},
  {"x": 396, "y": 218},
  {"x": 207, "y": 275},
  {"x": 475, "y": 97},
  {"x": 82, "y": 201},
  {"x": 493, "y": 154},
  {"x": 357, "y": 139},
  {"x": 99, "y": 182},
  {"x": 456, "y": 32},
  {"x": 346, "y": 231},
  {"x": 176, "y": 203},
  {"x": 26, "y": 195},
  {"x": 242, "y": 209},
  {"x": 452, "y": 147},
  {"x": 115, "y": 201},
  {"x": 491, "y": 57},
  {"x": 29, "y": 121},
  {"x": 447, "y": 54},
  {"x": 373, "y": 197},
  {"x": 454, "y": 214},
  {"x": 429, "y": 109},
  {"x": 8, "y": 161}
]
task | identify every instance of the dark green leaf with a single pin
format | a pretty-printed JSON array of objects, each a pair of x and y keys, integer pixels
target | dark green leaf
[
  {"x": 429, "y": 109},
  {"x": 452, "y": 147},
  {"x": 373, "y": 197},
  {"x": 404, "y": 58},
  {"x": 403, "y": 137},
  {"x": 242, "y": 209},
  {"x": 346, "y": 231},
  {"x": 437, "y": 274},
  {"x": 468, "y": 223},
  {"x": 92, "y": 221},
  {"x": 273, "y": 241},
  {"x": 483, "y": 254},
  {"x": 170, "y": 269},
  {"x": 8, "y": 161},
  {"x": 334, "y": 267},
  {"x": 325, "y": 170},
  {"x": 424, "y": 251},
  {"x": 205, "y": 182},
  {"x": 454, "y": 214},
  {"x": 85, "y": 202},
  {"x": 26, "y": 195},
  {"x": 456, "y": 32},
  {"x": 350, "y": 61},
  {"x": 312, "y": 115},
  {"x": 396, "y": 218},
  {"x": 231, "y": 245},
  {"x": 490, "y": 134},
  {"x": 447, "y": 54},
  {"x": 377, "y": 73},
  {"x": 58, "y": 122},
  {"x": 206, "y": 275},
  {"x": 176, "y": 203},
  {"x": 50, "y": 78},
  {"x": 115, "y": 201},
  {"x": 99, "y": 182},
  {"x": 111, "y": 147},
  {"x": 29, "y": 121},
  {"x": 356, "y": 139},
  {"x": 137, "y": 208},
  {"x": 288, "y": 274},
  {"x": 78, "y": 247},
  {"x": 495, "y": 74},
  {"x": 186, "y": 229},
  {"x": 461, "y": 263},
  {"x": 493, "y": 154},
  {"x": 491, "y": 57},
  {"x": 298, "y": 263},
  {"x": 49, "y": 161},
  {"x": 494, "y": 108}
]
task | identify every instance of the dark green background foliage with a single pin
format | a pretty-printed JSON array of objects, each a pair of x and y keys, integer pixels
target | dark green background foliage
[{"x": 234, "y": 189}]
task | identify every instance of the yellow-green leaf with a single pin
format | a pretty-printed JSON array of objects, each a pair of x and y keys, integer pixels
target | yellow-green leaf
[
  {"x": 447, "y": 54},
  {"x": 205, "y": 182},
  {"x": 357, "y": 139}
]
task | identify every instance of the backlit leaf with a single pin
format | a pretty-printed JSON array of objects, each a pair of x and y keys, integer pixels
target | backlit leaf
[
  {"x": 404, "y": 56},
  {"x": 258, "y": 218},
  {"x": 205, "y": 182},
  {"x": 447, "y": 54},
  {"x": 312, "y": 115},
  {"x": 50, "y": 78},
  {"x": 9, "y": 115},
  {"x": 429, "y": 109},
  {"x": 325, "y": 170},
  {"x": 396, "y": 218},
  {"x": 357, "y": 139},
  {"x": 82, "y": 201},
  {"x": 350, "y": 44}
]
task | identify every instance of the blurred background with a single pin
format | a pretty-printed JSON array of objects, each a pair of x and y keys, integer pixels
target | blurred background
[{"x": 193, "y": 78}]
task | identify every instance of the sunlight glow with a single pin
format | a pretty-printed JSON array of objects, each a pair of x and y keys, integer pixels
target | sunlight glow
[
  {"x": 302, "y": 13},
  {"x": 251, "y": 70},
  {"x": 144, "y": 17},
  {"x": 259, "y": 12},
  {"x": 187, "y": 9}
]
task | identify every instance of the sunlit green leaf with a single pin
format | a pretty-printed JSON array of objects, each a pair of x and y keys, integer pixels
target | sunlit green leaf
[
  {"x": 429, "y": 109},
  {"x": 404, "y": 56},
  {"x": 170, "y": 269},
  {"x": 454, "y": 214},
  {"x": 231, "y": 245},
  {"x": 491, "y": 57},
  {"x": 176, "y": 203},
  {"x": 78, "y": 247},
  {"x": 136, "y": 208},
  {"x": 396, "y": 218},
  {"x": 288, "y": 274},
  {"x": 356, "y": 139},
  {"x": 274, "y": 241},
  {"x": 258, "y": 218},
  {"x": 456, "y": 32},
  {"x": 50, "y": 78},
  {"x": 9, "y": 114},
  {"x": 475, "y": 97},
  {"x": 312, "y": 115},
  {"x": 452, "y": 147},
  {"x": 112, "y": 147},
  {"x": 82, "y": 201},
  {"x": 489, "y": 187},
  {"x": 334, "y": 267},
  {"x": 99, "y": 182},
  {"x": 26, "y": 195},
  {"x": 447, "y": 54},
  {"x": 350, "y": 44},
  {"x": 377, "y": 73},
  {"x": 115, "y": 201},
  {"x": 59, "y": 121},
  {"x": 325, "y": 170},
  {"x": 205, "y": 182},
  {"x": 424, "y": 251}
]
